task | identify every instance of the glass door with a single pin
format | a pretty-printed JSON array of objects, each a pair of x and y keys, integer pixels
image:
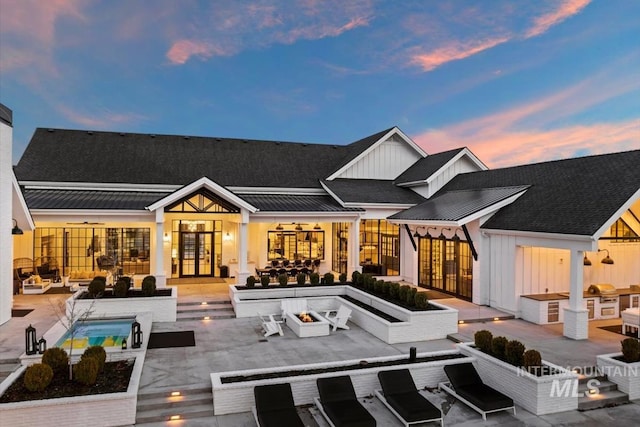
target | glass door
[{"x": 195, "y": 254}]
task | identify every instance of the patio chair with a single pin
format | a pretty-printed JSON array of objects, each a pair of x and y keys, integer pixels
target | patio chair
[
  {"x": 400, "y": 394},
  {"x": 293, "y": 305},
  {"x": 339, "y": 319},
  {"x": 339, "y": 405},
  {"x": 275, "y": 407},
  {"x": 466, "y": 385},
  {"x": 271, "y": 326}
]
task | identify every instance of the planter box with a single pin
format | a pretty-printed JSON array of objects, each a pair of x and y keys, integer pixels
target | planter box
[
  {"x": 625, "y": 375},
  {"x": 112, "y": 409},
  {"x": 547, "y": 394},
  {"x": 238, "y": 396},
  {"x": 164, "y": 308},
  {"x": 413, "y": 326}
]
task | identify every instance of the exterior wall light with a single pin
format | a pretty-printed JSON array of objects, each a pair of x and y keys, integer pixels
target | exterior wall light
[
  {"x": 607, "y": 259},
  {"x": 16, "y": 229}
]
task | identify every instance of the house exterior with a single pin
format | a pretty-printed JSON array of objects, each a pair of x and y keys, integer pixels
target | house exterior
[{"x": 183, "y": 206}]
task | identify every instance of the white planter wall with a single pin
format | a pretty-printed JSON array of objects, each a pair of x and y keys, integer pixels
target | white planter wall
[
  {"x": 625, "y": 375},
  {"x": 164, "y": 309},
  {"x": 528, "y": 391},
  {"x": 238, "y": 397}
]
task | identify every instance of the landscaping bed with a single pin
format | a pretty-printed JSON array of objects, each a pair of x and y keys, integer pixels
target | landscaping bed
[
  {"x": 114, "y": 379},
  {"x": 131, "y": 293}
]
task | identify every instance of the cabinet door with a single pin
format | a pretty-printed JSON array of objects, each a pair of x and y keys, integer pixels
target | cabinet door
[{"x": 553, "y": 312}]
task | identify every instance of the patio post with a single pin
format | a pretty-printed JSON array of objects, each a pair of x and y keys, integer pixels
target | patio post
[
  {"x": 243, "y": 272},
  {"x": 354, "y": 248},
  {"x": 161, "y": 277},
  {"x": 576, "y": 317}
]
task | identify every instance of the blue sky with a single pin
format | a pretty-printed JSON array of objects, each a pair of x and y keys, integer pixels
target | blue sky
[{"x": 515, "y": 81}]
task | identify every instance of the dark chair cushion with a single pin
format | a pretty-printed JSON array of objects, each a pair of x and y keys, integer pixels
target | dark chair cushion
[
  {"x": 484, "y": 397},
  {"x": 462, "y": 374},
  {"x": 397, "y": 381},
  {"x": 348, "y": 413},
  {"x": 272, "y": 397},
  {"x": 336, "y": 389},
  {"x": 280, "y": 418},
  {"x": 412, "y": 406}
]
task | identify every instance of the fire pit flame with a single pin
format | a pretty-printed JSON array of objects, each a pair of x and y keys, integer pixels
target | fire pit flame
[{"x": 305, "y": 317}]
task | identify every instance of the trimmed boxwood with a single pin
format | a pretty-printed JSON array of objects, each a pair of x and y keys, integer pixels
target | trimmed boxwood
[
  {"x": 329, "y": 278},
  {"x": 498, "y": 345},
  {"x": 514, "y": 353},
  {"x": 283, "y": 279},
  {"x": 120, "y": 288},
  {"x": 264, "y": 281},
  {"x": 314, "y": 278},
  {"x": 97, "y": 286},
  {"x": 86, "y": 371},
  {"x": 149, "y": 286},
  {"x": 343, "y": 277},
  {"x": 98, "y": 353},
  {"x": 301, "y": 278},
  {"x": 37, "y": 377},
  {"x": 630, "y": 350},
  {"x": 57, "y": 358},
  {"x": 421, "y": 300},
  {"x": 251, "y": 281},
  {"x": 483, "y": 340}
]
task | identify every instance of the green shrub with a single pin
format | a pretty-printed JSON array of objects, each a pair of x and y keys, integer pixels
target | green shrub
[
  {"x": 385, "y": 288},
  {"x": 482, "y": 340},
  {"x": 343, "y": 277},
  {"x": 120, "y": 288},
  {"x": 314, "y": 278},
  {"x": 368, "y": 281},
  {"x": 37, "y": 377},
  {"x": 329, "y": 278},
  {"x": 411, "y": 297},
  {"x": 422, "y": 302},
  {"x": 149, "y": 286},
  {"x": 251, "y": 281},
  {"x": 97, "y": 286},
  {"x": 532, "y": 360},
  {"x": 498, "y": 345},
  {"x": 98, "y": 353},
  {"x": 57, "y": 358},
  {"x": 283, "y": 279},
  {"x": 394, "y": 290},
  {"x": 301, "y": 278},
  {"x": 377, "y": 286},
  {"x": 630, "y": 350},
  {"x": 86, "y": 371},
  {"x": 402, "y": 293},
  {"x": 355, "y": 277},
  {"x": 127, "y": 280},
  {"x": 264, "y": 281},
  {"x": 514, "y": 353}
]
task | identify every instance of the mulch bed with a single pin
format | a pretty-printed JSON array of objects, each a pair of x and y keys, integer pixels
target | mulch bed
[
  {"x": 20, "y": 312},
  {"x": 131, "y": 293},
  {"x": 171, "y": 339},
  {"x": 361, "y": 365},
  {"x": 114, "y": 379}
]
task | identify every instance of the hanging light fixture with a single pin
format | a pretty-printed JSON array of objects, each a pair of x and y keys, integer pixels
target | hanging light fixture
[
  {"x": 428, "y": 235},
  {"x": 442, "y": 236},
  {"x": 279, "y": 227},
  {"x": 416, "y": 234},
  {"x": 16, "y": 229},
  {"x": 317, "y": 227},
  {"x": 586, "y": 261},
  {"x": 607, "y": 259},
  {"x": 455, "y": 237},
  {"x": 298, "y": 227}
]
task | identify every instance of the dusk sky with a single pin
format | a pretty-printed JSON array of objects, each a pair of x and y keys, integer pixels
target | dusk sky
[{"x": 515, "y": 81}]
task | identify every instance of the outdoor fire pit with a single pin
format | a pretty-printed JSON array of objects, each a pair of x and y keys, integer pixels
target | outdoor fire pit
[{"x": 307, "y": 324}]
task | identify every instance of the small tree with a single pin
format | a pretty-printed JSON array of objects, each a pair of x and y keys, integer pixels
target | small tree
[
  {"x": 630, "y": 350},
  {"x": 69, "y": 314},
  {"x": 343, "y": 277},
  {"x": 264, "y": 281},
  {"x": 514, "y": 353},
  {"x": 482, "y": 340},
  {"x": 301, "y": 278},
  {"x": 283, "y": 279},
  {"x": 329, "y": 278},
  {"x": 498, "y": 345}
]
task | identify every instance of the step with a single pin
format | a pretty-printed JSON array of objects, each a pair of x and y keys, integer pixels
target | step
[
  {"x": 456, "y": 338},
  {"x": 602, "y": 400},
  {"x": 602, "y": 385},
  {"x": 204, "y": 309},
  {"x": 205, "y": 303},
  {"x": 177, "y": 413},
  {"x": 194, "y": 401}
]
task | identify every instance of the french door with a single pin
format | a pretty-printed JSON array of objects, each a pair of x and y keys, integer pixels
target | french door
[{"x": 196, "y": 253}]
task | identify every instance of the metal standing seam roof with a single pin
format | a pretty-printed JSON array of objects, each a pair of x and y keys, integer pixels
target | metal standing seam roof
[
  {"x": 295, "y": 203},
  {"x": 456, "y": 205},
  {"x": 90, "y": 199}
]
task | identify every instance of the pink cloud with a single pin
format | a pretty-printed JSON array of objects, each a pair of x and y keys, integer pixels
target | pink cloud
[
  {"x": 453, "y": 51},
  {"x": 567, "y": 9},
  {"x": 101, "y": 120},
  {"x": 182, "y": 50}
]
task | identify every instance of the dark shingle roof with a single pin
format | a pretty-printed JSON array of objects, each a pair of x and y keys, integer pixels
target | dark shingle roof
[
  {"x": 456, "y": 205},
  {"x": 85, "y": 199},
  {"x": 295, "y": 203},
  {"x": 55, "y": 155},
  {"x": 575, "y": 196},
  {"x": 372, "y": 191},
  {"x": 355, "y": 148},
  {"x": 6, "y": 115},
  {"x": 425, "y": 167}
]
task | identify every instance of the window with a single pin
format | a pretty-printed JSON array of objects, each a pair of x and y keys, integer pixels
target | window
[
  {"x": 340, "y": 232},
  {"x": 294, "y": 245},
  {"x": 380, "y": 247},
  {"x": 621, "y": 232}
]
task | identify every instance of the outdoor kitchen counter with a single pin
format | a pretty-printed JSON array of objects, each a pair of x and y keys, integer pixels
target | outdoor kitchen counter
[{"x": 547, "y": 297}]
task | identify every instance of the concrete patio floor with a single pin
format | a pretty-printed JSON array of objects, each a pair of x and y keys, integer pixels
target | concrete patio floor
[{"x": 233, "y": 344}]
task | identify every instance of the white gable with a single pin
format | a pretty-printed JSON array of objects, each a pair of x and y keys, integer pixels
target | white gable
[{"x": 386, "y": 159}]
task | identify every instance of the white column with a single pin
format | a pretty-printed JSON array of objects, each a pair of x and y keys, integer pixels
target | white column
[
  {"x": 243, "y": 244},
  {"x": 354, "y": 248},
  {"x": 576, "y": 317},
  {"x": 6, "y": 224},
  {"x": 161, "y": 276}
]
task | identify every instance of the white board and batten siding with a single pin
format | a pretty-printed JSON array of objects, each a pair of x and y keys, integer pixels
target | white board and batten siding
[{"x": 386, "y": 161}]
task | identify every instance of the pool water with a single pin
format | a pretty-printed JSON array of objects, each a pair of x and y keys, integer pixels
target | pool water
[{"x": 106, "y": 333}]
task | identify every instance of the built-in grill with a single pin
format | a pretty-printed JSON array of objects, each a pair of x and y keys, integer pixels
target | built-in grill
[{"x": 607, "y": 292}]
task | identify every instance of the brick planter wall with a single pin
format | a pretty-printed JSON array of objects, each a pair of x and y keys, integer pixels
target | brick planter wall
[
  {"x": 626, "y": 375},
  {"x": 535, "y": 394},
  {"x": 238, "y": 397}
]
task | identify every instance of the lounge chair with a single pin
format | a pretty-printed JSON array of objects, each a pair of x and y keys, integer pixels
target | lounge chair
[
  {"x": 271, "y": 326},
  {"x": 275, "y": 407},
  {"x": 339, "y": 319},
  {"x": 400, "y": 394},
  {"x": 339, "y": 405},
  {"x": 466, "y": 385},
  {"x": 293, "y": 305}
]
